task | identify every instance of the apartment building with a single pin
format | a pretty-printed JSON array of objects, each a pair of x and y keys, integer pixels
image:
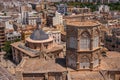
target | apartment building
[{"x": 2, "y": 35}]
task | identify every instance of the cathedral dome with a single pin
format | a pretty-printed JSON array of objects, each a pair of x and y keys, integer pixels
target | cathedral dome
[{"x": 39, "y": 34}]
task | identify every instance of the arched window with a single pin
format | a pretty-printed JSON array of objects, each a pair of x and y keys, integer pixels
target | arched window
[
  {"x": 96, "y": 40},
  {"x": 95, "y": 60},
  {"x": 84, "y": 62},
  {"x": 72, "y": 60},
  {"x": 85, "y": 41},
  {"x": 73, "y": 42}
]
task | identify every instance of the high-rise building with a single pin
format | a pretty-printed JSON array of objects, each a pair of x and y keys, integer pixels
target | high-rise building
[
  {"x": 2, "y": 35},
  {"x": 25, "y": 18}
]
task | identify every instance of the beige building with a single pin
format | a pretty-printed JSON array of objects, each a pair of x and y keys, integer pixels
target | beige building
[
  {"x": 19, "y": 50},
  {"x": 92, "y": 65},
  {"x": 40, "y": 58},
  {"x": 39, "y": 39},
  {"x": 83, "y": 44},
  {"x": 2, "y": 35},
  {"x": 79, "y": 10},
  {"x": 112, "y": 38},
  {"x": 38, "y": 42},
  {"x": 108, "y": 69},
  {"x": 84, "y": 53},
  {"x": 40, "y": 69}
]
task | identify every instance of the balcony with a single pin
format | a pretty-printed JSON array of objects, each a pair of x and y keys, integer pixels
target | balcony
[
  {"x": 2, "y": 37},
  {"x": 2, "y": 31},
  {"x": 2, "y": 34},
  {"x": 2, "y": 40}
]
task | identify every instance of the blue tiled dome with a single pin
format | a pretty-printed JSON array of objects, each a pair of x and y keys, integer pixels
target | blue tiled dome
[{"x": 38, "y": 34}]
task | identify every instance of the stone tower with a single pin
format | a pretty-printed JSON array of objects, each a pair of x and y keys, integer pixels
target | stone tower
[{"x": 83, "y": 44}]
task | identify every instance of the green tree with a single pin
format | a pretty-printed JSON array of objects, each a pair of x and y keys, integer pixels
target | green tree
[
  {"x": 8, "y": 50},
  {"x": 16, "y": 40},
  {"x": 92, "y": 6}
]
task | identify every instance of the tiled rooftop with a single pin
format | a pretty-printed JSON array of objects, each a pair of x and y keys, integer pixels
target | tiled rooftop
[
  {"x": 33, "y": 54},
  {"x": 23, "y": 50},
  {"x": 111, "y": 62},
  {"x": 5, "y": 75},
  {"x": 42, "y": 66}
]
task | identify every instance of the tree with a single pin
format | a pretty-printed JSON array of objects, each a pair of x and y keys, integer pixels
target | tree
[
  {"x": 92, "y": 6},
  {"x": 8, "y": 50}
]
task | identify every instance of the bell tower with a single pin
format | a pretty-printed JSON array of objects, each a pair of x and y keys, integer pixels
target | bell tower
[{"x": 83, "y": 44}]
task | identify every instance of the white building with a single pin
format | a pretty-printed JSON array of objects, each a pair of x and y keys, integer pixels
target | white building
[
  {"x": 56, "y": 35},
  {"x": 32, "y": 18},
  {"x": 13, "y": 36},
  {"x": 104, "y": 8},
  {"x": 58, "y": 19},
  {"x": 8, "y": 25},
  {"x": 32, "y": 21},
  {"x": 25, "y": 16}
]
